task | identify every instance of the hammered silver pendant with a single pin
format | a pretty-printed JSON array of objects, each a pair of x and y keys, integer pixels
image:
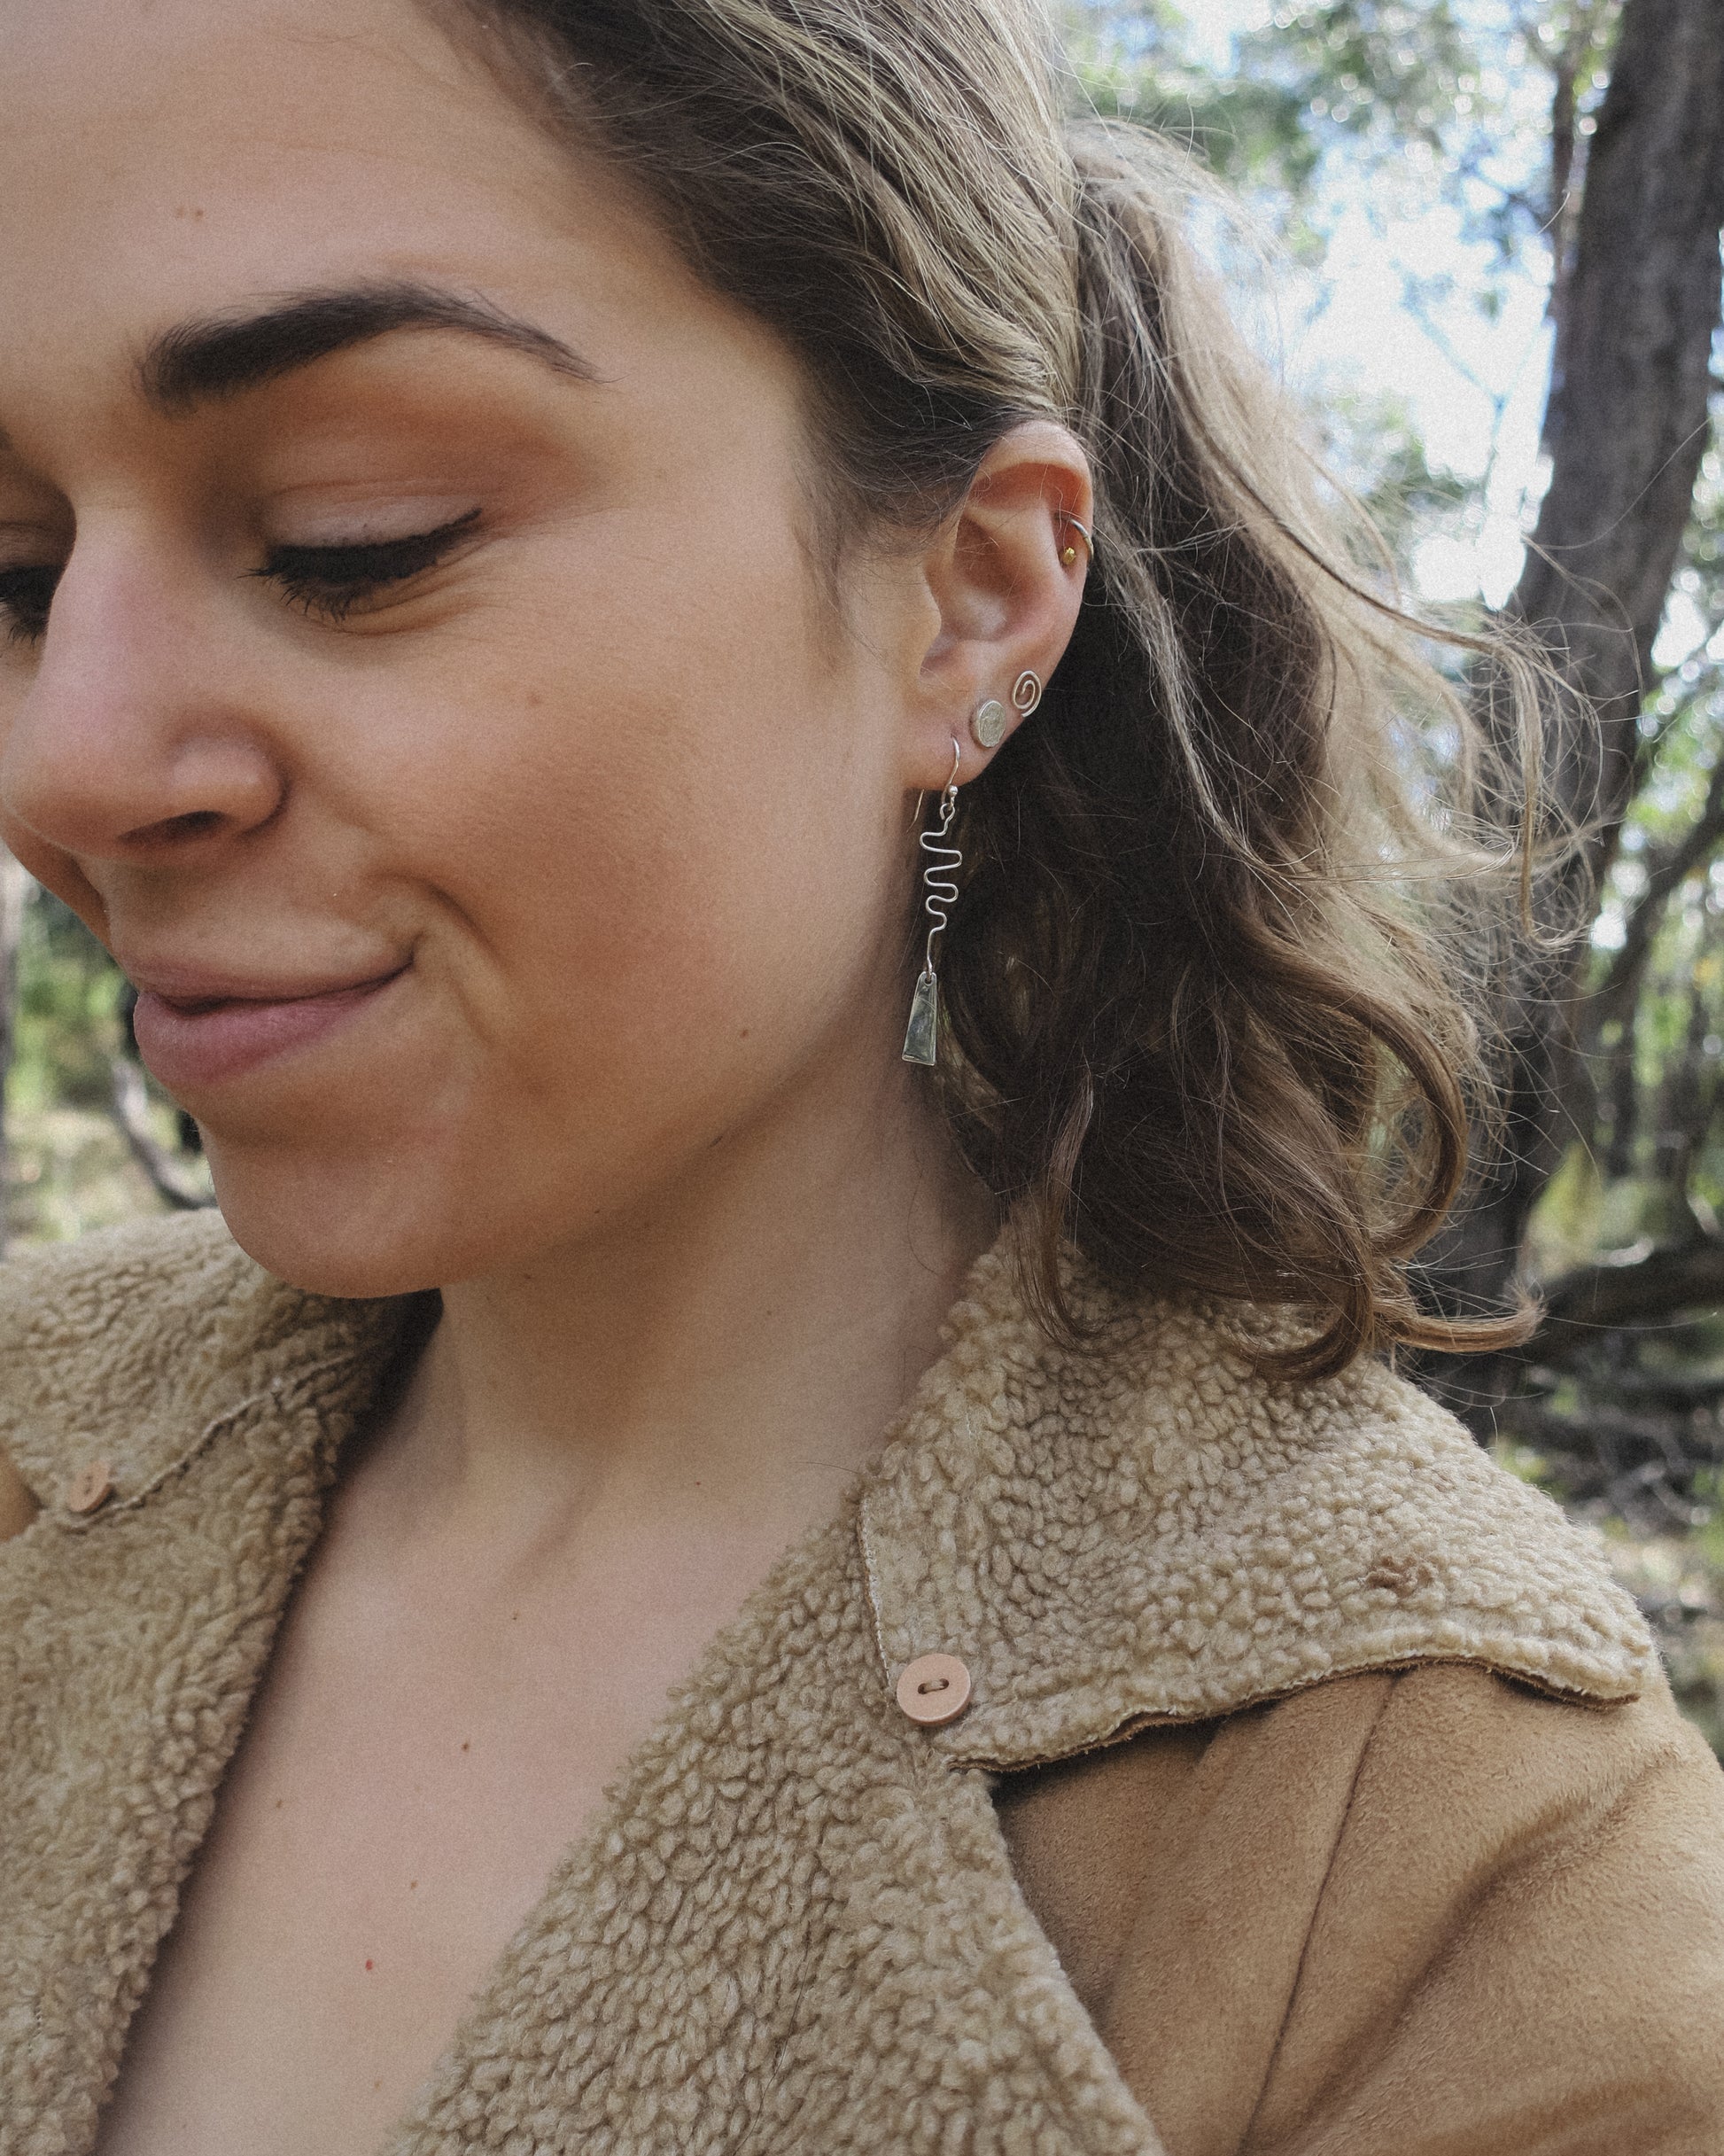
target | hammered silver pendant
[{"x": 919, "y": 1034}]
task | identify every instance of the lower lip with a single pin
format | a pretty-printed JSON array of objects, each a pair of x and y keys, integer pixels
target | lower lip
[{"x": 189, "y": 1047}]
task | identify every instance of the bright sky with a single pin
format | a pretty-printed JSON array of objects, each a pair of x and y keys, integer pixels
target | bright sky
[
  {"x": 1475, "y": 390},
  {"x": 1473, "y": 385}
]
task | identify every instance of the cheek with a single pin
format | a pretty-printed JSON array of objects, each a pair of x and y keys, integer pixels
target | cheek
[
  {"x": 643, "y": 842},
  {"x": 651, "y": 879}
]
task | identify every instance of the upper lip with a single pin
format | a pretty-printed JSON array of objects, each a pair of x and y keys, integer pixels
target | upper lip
[{"x": 196, "y": 985}]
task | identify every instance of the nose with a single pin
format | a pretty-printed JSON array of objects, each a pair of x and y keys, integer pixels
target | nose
[{"x": 131, "y": 744}]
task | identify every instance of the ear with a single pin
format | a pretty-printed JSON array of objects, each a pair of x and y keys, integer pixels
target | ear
[{"x": 1005, "y": 597}]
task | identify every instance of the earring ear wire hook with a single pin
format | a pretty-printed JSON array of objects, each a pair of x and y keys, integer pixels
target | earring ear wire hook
[{"x": 957, "y": 758}]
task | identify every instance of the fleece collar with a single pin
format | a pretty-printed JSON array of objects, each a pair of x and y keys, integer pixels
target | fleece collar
[
  {"x": 1144, "y": 1530},
  {"x": 142, "y": 1348},
  {"x": 1149, "y": 1531}
]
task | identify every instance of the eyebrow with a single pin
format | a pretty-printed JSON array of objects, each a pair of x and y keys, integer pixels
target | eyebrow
[{"x": 223, "y": 355}]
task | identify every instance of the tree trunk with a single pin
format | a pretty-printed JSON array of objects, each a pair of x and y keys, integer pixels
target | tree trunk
[{"x": 1626, "y": 430}]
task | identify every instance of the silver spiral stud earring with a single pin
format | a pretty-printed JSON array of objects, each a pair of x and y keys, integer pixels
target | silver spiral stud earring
[
  {"x": 921, "y": 1035},
  {"x": 1026, "y": 693}
]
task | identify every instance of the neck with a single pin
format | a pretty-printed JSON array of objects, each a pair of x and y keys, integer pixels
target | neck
[{"x": 735, "y": 1349}]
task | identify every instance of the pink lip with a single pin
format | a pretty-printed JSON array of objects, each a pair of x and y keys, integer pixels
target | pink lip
[{"x": 190, "y": 1043}]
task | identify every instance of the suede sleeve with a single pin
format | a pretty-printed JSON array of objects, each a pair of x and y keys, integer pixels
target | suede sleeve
[
  {"x": 1432, "y": 1913},
  {"x": 1518, "y": 1949}
]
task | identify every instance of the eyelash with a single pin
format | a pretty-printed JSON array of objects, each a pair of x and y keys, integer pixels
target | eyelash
[
  {"x": 326, "y": 582},
  {"x": 24, "y": 595},
  {"x": 331, "y": 581}
]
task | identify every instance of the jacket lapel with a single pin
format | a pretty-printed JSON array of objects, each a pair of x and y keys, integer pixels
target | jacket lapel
[
  {"x": 795, "y": 1929},
  {"x": 131, "y": 1641}
]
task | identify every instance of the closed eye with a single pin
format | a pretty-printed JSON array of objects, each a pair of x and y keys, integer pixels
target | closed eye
[{"x": 331, "y": 581}]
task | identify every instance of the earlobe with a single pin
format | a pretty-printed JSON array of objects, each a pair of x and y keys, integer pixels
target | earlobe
[
  {"x": 988, "y": 724},
  {"x": 989, "y": 721}
]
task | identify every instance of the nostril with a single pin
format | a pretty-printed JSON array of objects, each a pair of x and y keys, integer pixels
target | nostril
[
  {"x": 102, "y": 771},
  {"x": 178, "y": 830}
]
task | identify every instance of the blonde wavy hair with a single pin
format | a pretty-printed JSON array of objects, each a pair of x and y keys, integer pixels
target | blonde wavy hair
[{"x": 1201, "y": 1004}]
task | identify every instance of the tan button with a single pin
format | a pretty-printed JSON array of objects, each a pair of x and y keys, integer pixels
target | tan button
[
  {"x": 91, "y": 1487},
  {"x": 935, "y": 1688}
]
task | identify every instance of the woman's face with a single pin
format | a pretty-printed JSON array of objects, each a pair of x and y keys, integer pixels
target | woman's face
[{"x": 437, "y": 716}]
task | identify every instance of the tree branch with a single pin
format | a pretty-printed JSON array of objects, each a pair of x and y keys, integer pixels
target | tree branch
[
  {"x": 1632, "y": 1290},
  {"x": 1667, "y": 873},
  {"x": 131, "y": 1112}
]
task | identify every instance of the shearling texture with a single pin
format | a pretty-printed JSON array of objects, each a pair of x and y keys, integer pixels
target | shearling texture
[
  {"x": 1155, "y": 1532},
  {"x": 797, "y": 1925}
]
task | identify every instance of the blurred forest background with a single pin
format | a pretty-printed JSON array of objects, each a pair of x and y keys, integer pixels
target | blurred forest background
[{"x": 1495, "y": 284}]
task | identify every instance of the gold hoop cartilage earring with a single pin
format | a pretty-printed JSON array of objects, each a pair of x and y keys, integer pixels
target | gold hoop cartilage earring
[
  {"x": 988, "y": 724},
  {"x": 921, "y": 1035},
  {"x": 1026, "y": 693},
  {"x": 1068, "y": 554}
]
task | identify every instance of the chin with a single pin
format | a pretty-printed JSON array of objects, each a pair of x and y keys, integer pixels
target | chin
[{"x": 334, "y": 1229}]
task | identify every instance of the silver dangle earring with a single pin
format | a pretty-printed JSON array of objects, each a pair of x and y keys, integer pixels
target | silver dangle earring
[{"x": 920, "y": 1036}]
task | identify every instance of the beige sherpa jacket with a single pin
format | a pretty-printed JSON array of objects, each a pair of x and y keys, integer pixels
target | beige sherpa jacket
[{"x": 1318, "y": 1791}]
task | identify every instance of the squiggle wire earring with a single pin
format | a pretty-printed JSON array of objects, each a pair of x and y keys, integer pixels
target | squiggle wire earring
[{"x": 920, "y": 1036}]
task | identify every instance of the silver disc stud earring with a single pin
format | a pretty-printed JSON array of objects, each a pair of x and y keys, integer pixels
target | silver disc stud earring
[{"x": 988, "y": 724}]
